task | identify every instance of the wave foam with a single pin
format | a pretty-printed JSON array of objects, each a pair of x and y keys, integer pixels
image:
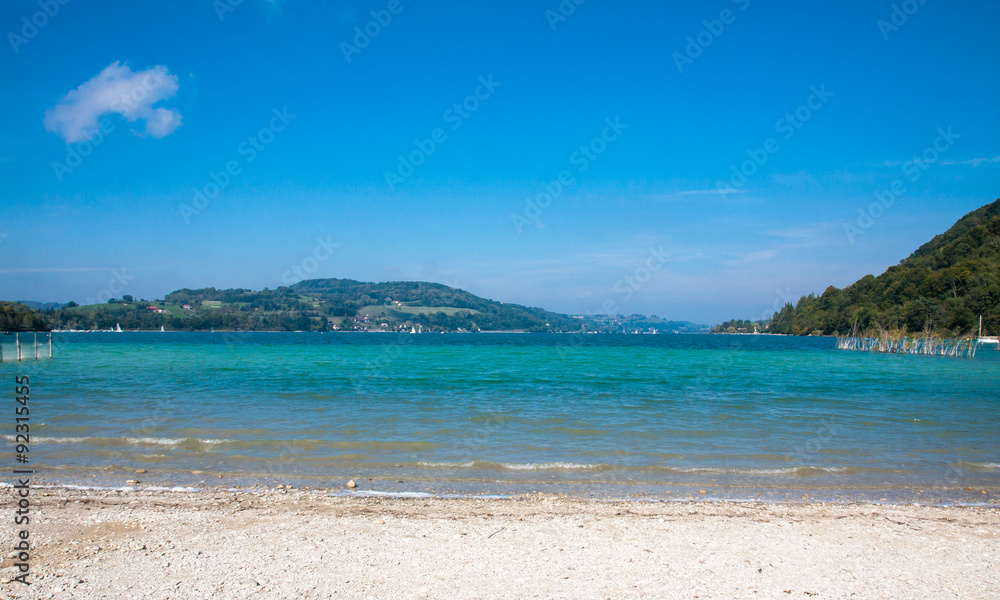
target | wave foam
[
  {"x": 392, "y": 494},
  {"x": 545, "y": 466},
  {"x": 132, "y": 441}
]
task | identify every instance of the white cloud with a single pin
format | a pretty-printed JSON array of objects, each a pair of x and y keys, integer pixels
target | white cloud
[
  {"x": 975, "y": 162},
  {"x": 116, "y": 90},
  {"x": 678, "y": 196},
  {"x": 798, "y": 178},
  {"x": 55, "y": 270}
]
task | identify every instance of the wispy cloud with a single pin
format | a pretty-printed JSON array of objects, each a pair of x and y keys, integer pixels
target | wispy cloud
[
  {"x": 974, "y": 162},
  {"x": 794, "y": 239},
  {"x": 808, "y": 234},
  {"x": 686, "y": 194},
  {"x": 703, "y": 192},
  {"x": 752, "y": 257},
  {"x": 797, "y": 178},
  {"x": 56, "y": 270},
  {"x": 116, "y": 90}
]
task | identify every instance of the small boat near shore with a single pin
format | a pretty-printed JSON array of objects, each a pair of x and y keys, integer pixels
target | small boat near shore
[{"x": 987, "y": 339}]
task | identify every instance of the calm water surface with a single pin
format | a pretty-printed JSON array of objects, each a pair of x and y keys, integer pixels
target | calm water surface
[{"x": 738, "y": 415}]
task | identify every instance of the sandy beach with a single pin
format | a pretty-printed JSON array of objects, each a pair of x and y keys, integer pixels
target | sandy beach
[{"x": 309, "y": 544}]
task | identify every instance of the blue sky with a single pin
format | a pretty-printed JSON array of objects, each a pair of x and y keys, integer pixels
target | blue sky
[{"x": 753, "y": 144}]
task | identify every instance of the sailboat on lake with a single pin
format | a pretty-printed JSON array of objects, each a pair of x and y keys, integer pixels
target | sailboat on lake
[{"x": 988, "y": 339}]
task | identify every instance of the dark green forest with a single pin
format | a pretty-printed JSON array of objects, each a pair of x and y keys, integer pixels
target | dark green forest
[
  {"x": 18, "y": 317},
  {"x": 740, "y": 326},
  {"x": 942, "y": 287}
]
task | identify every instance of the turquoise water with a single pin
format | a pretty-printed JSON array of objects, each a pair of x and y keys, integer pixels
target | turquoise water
[{"x": 516, "y": 412}]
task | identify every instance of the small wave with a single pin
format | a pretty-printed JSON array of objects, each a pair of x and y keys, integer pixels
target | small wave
[
  {"x": 130, "y": 441},
  {"x": 447, "y": 465},
  {"x": 175, "y": 441},
  {"x": 545, "y": 466},
  {"x": 802, "y": 470},
  {"x": 986, "y": 465},
  {"x": 392, "y": 494},
  {"x": 51, "y": 440},
  {"x": 99, "y": 488},
  {"x": 152, "y": 441}
]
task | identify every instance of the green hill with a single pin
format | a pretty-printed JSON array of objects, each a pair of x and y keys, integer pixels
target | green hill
[
  {"x": 314, "y": 305},
  {"x": 943, "y": 287},
  {"x": 330, "y": 304}
]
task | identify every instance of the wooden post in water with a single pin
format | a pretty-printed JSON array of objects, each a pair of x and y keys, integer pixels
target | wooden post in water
[
  {"x": 17, "y": 342},
  {"x": 36, "y": 346},
  {"x": 50, "y": 344}
]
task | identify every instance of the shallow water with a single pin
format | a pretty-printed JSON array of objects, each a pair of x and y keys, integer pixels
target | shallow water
[{"x": 495, "y": 413}]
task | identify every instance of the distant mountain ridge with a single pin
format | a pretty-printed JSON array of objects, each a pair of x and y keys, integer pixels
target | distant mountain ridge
[
  {"x": 944, "y": 286},
  {"x": 341, "y": 304}
]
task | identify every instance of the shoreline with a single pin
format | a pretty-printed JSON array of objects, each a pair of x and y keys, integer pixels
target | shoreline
[
  {"x": 305, "y": 543},
  {"x": 701, "y": 490}
]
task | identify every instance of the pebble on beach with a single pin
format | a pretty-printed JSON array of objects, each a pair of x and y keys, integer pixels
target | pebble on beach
[{"x": 351, "y": 484}]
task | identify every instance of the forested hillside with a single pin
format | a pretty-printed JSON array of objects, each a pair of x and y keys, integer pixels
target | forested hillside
[
  {"x": 18, "y": 317},
  {"x": 314, "y": 305},
  {"x": 944, "y": 286}
]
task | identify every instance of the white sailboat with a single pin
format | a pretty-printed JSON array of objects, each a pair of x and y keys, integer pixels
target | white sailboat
[
  {"x": 162, "y": 330},
  {"x": 118, "y": 328},
  {"x": 987, "y": 339}
]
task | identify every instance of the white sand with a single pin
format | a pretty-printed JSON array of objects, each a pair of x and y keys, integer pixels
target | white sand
[{"x": 300, "y": 544}]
